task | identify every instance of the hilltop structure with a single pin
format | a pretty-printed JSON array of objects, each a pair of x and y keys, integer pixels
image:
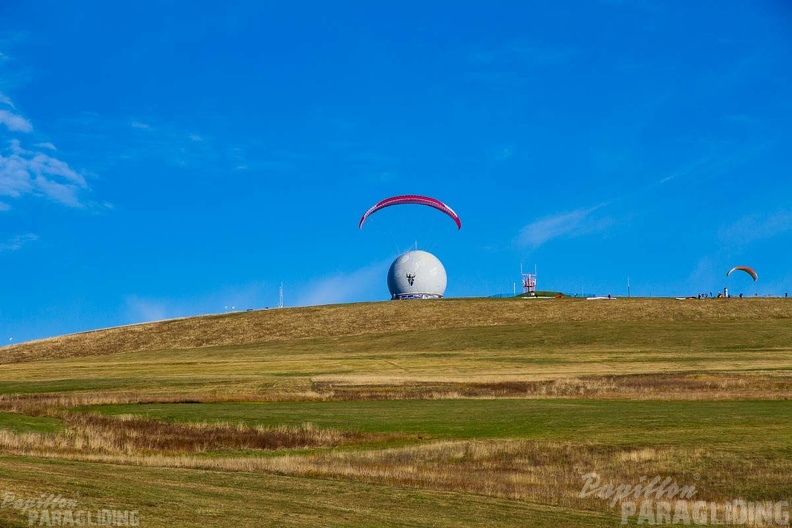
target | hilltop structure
[{"x": 417, "y": 274}]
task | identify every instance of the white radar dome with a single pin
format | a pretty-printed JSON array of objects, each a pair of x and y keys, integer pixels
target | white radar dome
[{"x": 417, "y": 275}]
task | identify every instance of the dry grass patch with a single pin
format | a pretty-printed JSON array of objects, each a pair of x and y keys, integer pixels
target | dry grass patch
[
  {"x": 52, "y": 404},
  {"x": 677, "y": 386},
  {"x": 547, "y": 472},
  {"x": 372, "y": 318},
  {"x": 694, "y": 386},
  {"x": 168, "y": 497},
  {"x": 90, "y": 434},
  {"x": 540, "y": 472}
]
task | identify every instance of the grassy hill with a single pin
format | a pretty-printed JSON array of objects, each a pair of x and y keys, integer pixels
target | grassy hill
[
  {"x": 261, "y": 326},
  {"x": 432, "y": 413}
]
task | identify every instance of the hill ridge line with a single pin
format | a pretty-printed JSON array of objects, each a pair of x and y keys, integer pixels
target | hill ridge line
[{"x": 340, "y": 320}]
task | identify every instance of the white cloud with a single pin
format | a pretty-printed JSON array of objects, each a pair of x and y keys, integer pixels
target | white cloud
[
  {"x": 4, "y": 99},
  {"x": 146, "y": 310},
  {"x": 237, "y": 298},
  {"x": 570, "y": 224},
  {"x": 752, "y": 228},
  {"x": 344, "y": 287},
  {"x": 702, "y": 166},
  {"x": 17, "y": 242},
  {"x": 706, "y": 276},
  {"x": 15, "y": 122},
  {"x": 25, "y": 172},
  {"x": 142, "y": 126},
  {"x": 34, "y": 172}
]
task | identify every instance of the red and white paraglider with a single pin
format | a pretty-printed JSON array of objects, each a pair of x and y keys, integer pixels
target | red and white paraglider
[
  {"x": 415, "y": 274},
  {"x": 746, "y": 269},
  {"x": 412, "y": 199}
]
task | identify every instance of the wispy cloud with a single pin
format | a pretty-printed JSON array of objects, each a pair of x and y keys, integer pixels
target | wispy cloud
[
  {"x": 25, "y": 172},
  {"x": 563, "y": 225},
  {"x": 153, "y": 140},
  {"x": 146, "y": 310},
  {"x": 706, "y": 276},
  {"x": 138, "y": 308},
  {"x": 709, "y": 165},
  {"x": 705, "y": 166},
  {"x": 33, "y": 172},
  {"x": 756, "y": 227},
  {"x": 356, "y": 285},
  {"x": 18, "y": 242},
  {"x": 14, "y": 122},
  {"x": 5, "y": 99}
]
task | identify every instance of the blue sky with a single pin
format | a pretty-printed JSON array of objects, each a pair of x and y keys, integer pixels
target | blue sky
[{"x": 163, "y": 159}]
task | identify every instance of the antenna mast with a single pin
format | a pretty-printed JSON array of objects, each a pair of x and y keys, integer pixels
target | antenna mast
[
  {"x": 528, "y": 281},
  {"x": 280, "y": 296}
]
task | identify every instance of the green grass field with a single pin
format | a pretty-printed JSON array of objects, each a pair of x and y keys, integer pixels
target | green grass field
[
  {"x": 761, "y": 426},
  {"x": 454, "y": 413}
]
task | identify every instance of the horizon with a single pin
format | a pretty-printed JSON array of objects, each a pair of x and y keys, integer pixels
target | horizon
[
  {"x": 567, "y": 297},
  {"x": 159, "y": 161}
]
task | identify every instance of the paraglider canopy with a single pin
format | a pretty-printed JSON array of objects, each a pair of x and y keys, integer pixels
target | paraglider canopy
[
  {"x": 746, "y": 269},
  {"x": 412, "y": 199}
]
